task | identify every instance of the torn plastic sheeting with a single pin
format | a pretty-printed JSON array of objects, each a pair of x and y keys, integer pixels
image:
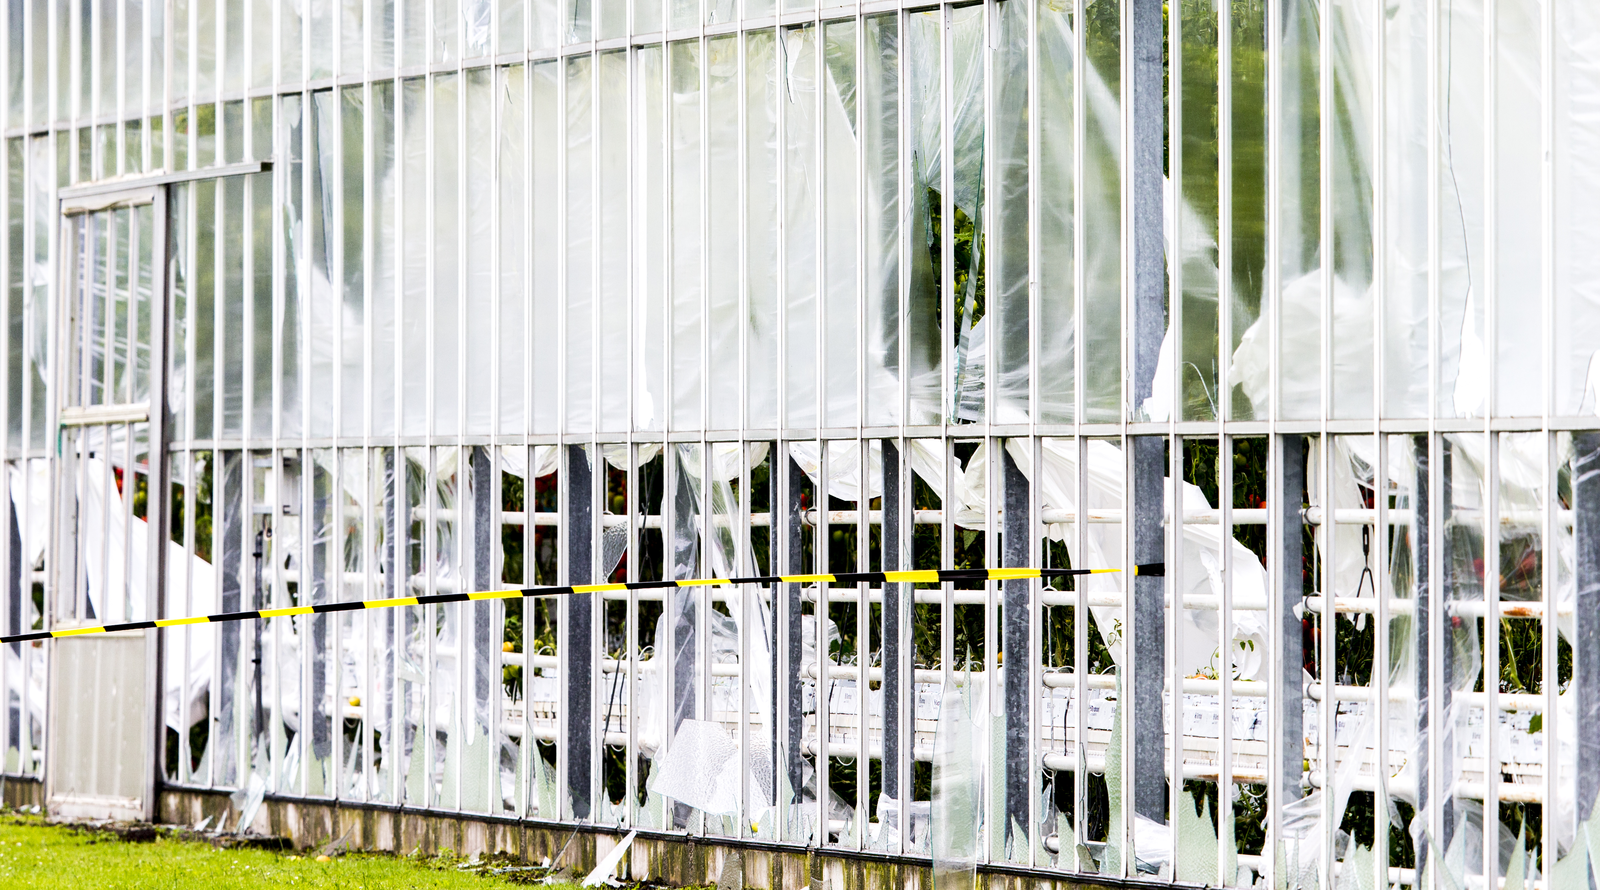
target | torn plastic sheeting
[
  {"x": 844, "y": 468},
  {"x": 606, "y": 868},
  {"x": 960, "y": 752},
  {"x": 546, "y": 460},
  {"x": 1202, "y": 550},
  {"x": 700, "y": 768},
  {"x": 124, "y": 569},
  {"x": 247, "y": 801},
  {"x": 726, "y": 633}
]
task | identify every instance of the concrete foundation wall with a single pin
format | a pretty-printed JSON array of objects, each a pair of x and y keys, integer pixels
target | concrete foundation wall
[{"x": 658, "y": 857}]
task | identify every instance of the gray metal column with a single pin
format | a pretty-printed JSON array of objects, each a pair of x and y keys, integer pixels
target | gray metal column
[
  {"x": 481, "y": 489},
  {"x": 791, "y": 556},
  {"x": 892, "y": 693},
  {"x": 1016, "y": 636},
  {"x": 382, "y": 686},
  {"x": 231, "y": 550},
  {"x": 1148, "y": 661},
  {"x": 14, "y": 571},
  {"x": 317, "y": 532},
  {"x": 1447, "y": 649},
  {"x": 1586, "y": 638},
  {"x": 1147, "y": 111},
  {"x": 1288, "y": 506},
  {"x": 577, "y": 625}
]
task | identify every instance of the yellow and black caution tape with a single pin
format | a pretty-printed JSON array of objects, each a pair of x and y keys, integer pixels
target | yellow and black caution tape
[{"x": 909, "y": 577}]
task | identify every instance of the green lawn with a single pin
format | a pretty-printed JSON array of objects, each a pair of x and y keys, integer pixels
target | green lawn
[{"x": 35, "y": 854}]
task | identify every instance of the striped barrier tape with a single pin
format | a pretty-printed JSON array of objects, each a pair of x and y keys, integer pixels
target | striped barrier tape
[{"x": 907, "y": 577}]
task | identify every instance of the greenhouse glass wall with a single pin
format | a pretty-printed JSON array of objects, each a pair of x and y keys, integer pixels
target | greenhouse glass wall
[{"x": 319, "y": 301}]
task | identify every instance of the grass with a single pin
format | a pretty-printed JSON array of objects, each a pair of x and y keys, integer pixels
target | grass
[{"x": 34, "y": 853}]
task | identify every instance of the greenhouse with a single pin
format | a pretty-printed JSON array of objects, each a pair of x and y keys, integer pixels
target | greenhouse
[{"x": 1283, "y": 315}]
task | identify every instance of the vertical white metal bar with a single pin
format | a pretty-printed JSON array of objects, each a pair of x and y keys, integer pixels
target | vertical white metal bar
[
  {"x": 1491, "y": 638},
  {"x": 863, "y": 523},
  {"x": 992, "y": 835},
  {"x": 743, "y": 595},
  {"x": 1327, "y": 584},
  {"x": 821, "y": 539},
  {"x": 1178, "y": 744},
  {"x": 1080, "y": 653},
  {"x": 1433, "y": 750},
  {"x": 1227, "y": 850},
  {"x": 1382, "y": 682}
]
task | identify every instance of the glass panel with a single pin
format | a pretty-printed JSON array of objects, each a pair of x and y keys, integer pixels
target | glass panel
[
  {"x": 1101, "y": 213},
  {"x": 204, "y": 345},
  {"x": 801, "y": 192},
  {"x": 262, "y": 410},
  {"x": 723, "y": 391},
  {"x": 1197, "y": 218},
  {"x": 287, "y": 324},
  {"x": 351, "y": 42},
  {"x": 232, "y": 26},
  {"x": 413, "y": 32},
  {"x": 1404, "y": 251},
  {"x": 412, "y": 218},
  {"x": 513, "y": 220},
  {"x": 261, "y": 54},
  {"x": 1518, "y": 244},
  {"x": 445, "y": 321},
  {"x": 1576, "y": 192},
  {"x": 546, "y": 144},
  {"x": 291, "y": 58},
  {"x": 1300, "y": 220},
  {"x": 231, "y": 340},
  {"x": 1009, "y": 377},
  {"x": 649, "y": 239},
  {"x": 925, "y": 117},
  {"x": 647, "y": 15},
  {"x": 478, "y": 298},
  {"x": 967, "y": 327},
  {"x": 384, "y": 20},
  {"x": 512, "y": 25},
  {"x": 324, "y": 296},
  {"x": 841, "y": 325},
  {"x": 545, "y": 24},
  {"x": 579, "y": 24},
  {"x": 613, "y": 301},
  {"x": 446, "y": 36},
  {"x": 1463, "y": 364},
  {"x": 761, "y": 82},
  {"x": 353, "y": 224},
  {"x": 880, "y": 148},
  {"x": 684, "y": 225},
  {"x": 386, "y": 261},
  {"x": 16, "y": 290},
  {"x": 1247, "y": 157},
  {"x": 180, "y": 282},
  {"x": 580, "y": 216}
]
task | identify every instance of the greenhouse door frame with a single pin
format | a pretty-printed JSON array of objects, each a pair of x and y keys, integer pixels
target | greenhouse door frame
[{"x": 105, "y": 735}]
